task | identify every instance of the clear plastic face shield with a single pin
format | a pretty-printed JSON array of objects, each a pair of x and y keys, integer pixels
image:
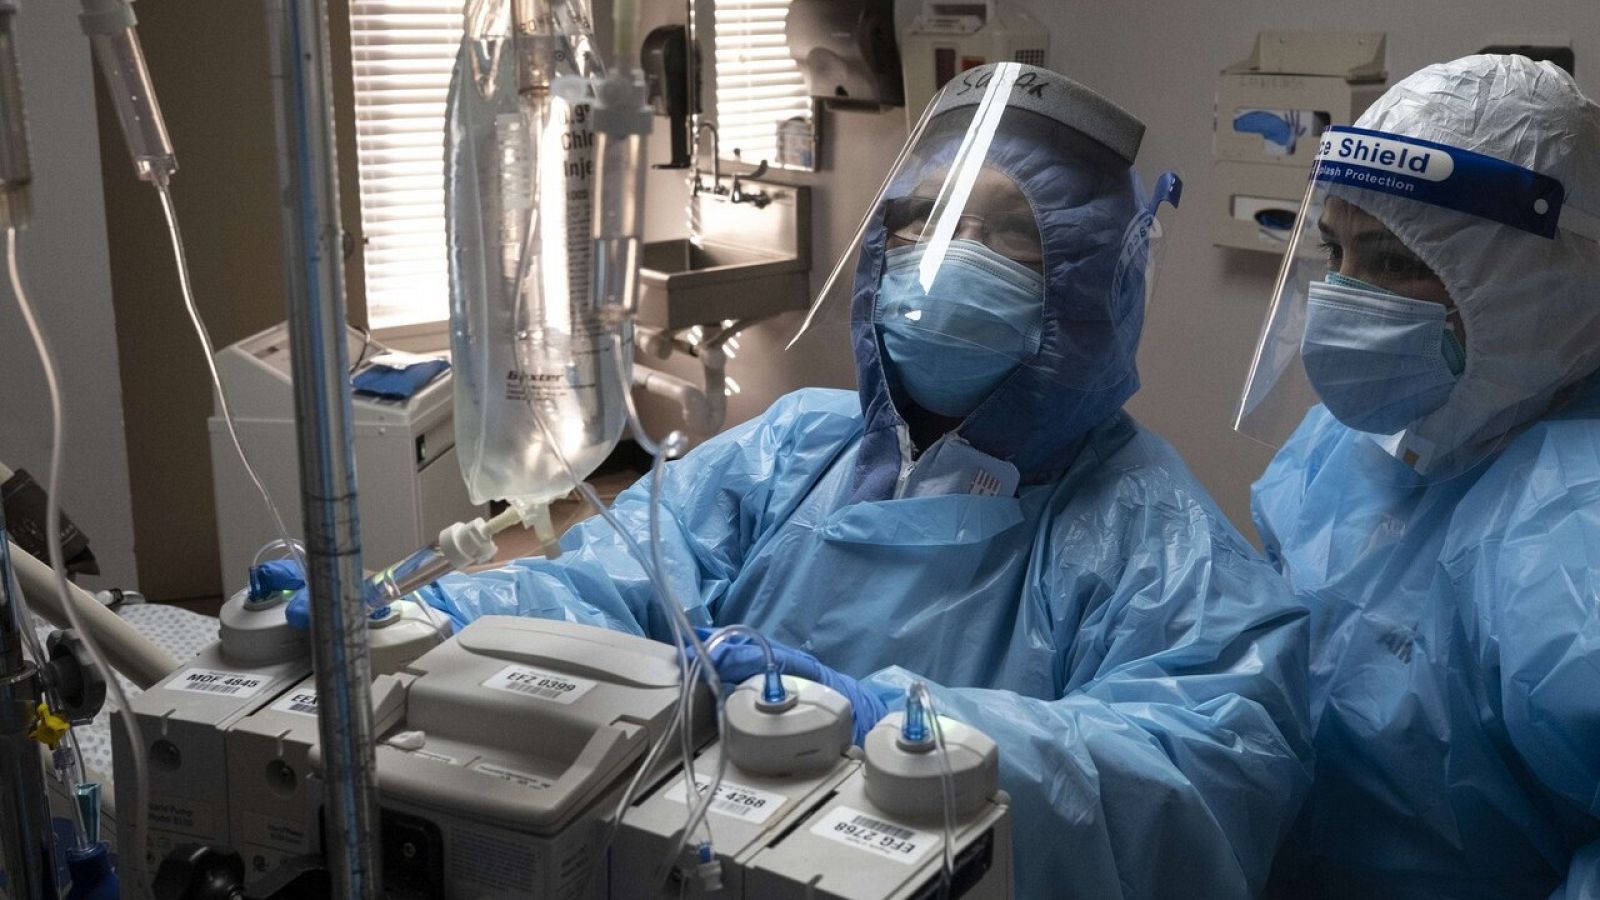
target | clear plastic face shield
[
  {"x": 1365, "y": 324},
  {"x": 1011, "y": 232}
]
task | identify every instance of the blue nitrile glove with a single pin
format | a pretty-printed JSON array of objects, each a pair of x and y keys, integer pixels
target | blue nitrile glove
[
  {"x": 738, "y": 658},
  {"x": 299, "y": 610},
  {"x": 275, "y": 576}
]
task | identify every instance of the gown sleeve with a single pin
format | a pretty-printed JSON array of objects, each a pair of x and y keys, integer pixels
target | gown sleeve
[
  {"x": 1177, "y": 752},
  {"x": 715, "y": 503},
  {"x": 1524, "y": 554}
]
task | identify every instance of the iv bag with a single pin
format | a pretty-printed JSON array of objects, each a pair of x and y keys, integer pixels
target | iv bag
[{"x": 539, "y": 379}]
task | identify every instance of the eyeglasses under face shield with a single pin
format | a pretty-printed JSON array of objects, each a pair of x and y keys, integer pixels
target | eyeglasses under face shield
[{"x": 1013, "y": 176}]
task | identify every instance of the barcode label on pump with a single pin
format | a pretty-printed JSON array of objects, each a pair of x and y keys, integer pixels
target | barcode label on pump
[
  {"x": 854, "y": 828},
  {"x": 303, "y": 701},
  {"x": 531, "y": 682},
  {"x": 736, "y": 800},
  {"x": 211, "y": 681}
]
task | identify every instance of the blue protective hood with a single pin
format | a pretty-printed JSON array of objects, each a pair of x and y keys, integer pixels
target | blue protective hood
[{"x": 1085, "y": 200}]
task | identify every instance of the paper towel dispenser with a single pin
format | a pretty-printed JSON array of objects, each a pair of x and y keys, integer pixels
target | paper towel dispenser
[{"x": 846, "y": 51}]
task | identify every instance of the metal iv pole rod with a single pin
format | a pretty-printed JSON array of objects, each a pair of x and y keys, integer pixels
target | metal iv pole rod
[{"x": 309, "y": 185}]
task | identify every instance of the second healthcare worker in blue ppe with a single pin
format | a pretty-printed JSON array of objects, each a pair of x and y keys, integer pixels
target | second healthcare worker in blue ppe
[
  {"x": 982, "y": 516},
  {"x": 1439, "y": 509}
]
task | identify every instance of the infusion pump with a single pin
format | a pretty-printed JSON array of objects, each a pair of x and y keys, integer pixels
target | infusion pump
[{"x": 506, "y": 753}]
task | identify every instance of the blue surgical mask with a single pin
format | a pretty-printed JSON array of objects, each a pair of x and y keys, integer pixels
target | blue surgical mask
[
  {"x": 1378, "y": 361},
  {"x": 950, "y": 346}
]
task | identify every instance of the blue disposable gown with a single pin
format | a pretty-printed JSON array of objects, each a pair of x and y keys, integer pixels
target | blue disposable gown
[
  {"x": 1455, "y": 662},
  {"x": 1142, "y": 670}
]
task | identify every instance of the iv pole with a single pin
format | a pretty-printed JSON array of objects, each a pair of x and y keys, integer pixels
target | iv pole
[{"x": 309, "y": 186}]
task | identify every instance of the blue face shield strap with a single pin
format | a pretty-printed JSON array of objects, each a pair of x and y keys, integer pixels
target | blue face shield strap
[{"x": 1168, "y": 190}]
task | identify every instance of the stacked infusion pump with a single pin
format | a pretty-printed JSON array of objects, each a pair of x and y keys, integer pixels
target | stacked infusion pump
[
  {"x": 505, "y": 751},
  {"x": 404, "y": 450}
]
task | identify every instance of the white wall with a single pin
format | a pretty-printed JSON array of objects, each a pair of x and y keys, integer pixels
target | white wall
[
  {"x": 66, "y": 270},
  {"x": 1159, "y": 60}
]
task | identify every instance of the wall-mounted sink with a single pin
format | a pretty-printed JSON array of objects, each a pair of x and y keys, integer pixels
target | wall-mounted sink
[{"x": 751, "y": 262}]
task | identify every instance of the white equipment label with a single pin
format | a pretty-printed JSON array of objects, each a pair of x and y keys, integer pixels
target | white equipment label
[
  {"x": 302, "y": 701},
  {"x": 436, "y": 757},
  {"x": 526, "y": 779},
  {"x": 747, "y": 804},
  {"x": 185, "y": 815},
  {"x": 212, "y": 681},
  {"x": 278, "y": 834},
  {"x": 854, "y": 828},
  {"x": 531, "y": 682}
]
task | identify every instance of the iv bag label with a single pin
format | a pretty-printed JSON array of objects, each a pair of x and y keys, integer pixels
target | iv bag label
[
  {"x": 302, "y": 702},
  {"x": 526, "y": 779},
  {"x": 545, "y": 685},
  {"x": 224, "y": 684},
  {"x": 857, "y": 829},
  {"x": 738, "y": 801}
]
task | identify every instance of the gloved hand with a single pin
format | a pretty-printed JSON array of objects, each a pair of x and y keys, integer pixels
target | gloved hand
[
  {"x": 738, "y": 658},
  {"x": 274, "y": 576},
  {"x": 299, "y": 611},
  {"x": 283, "y": 576}
]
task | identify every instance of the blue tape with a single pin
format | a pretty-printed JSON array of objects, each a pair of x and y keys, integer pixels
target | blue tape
[{"x": 1441, "y": 175}]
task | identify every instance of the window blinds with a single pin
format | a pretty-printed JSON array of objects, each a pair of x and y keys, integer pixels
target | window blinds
[
  {"x": 403, "y": 51},
  {"x": 758, "y": 85}
]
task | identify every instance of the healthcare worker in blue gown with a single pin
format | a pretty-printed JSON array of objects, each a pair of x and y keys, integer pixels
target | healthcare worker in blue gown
[
  {"x": 1438, "y": 508},
  {"x": 981, "y": 515}
]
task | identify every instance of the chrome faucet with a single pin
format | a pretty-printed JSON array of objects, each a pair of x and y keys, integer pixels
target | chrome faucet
[
  {"x": 716, "y": 160},
  {"x": 736, "y": 192}
]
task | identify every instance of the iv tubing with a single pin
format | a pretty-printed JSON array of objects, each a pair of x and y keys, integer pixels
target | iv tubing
[
  {"x": 141, "y": 811},
  {"x": 164, "y": 189},
  {"x": 683, "y": 631},
  {"x": 698, "y": 810},
  {"x": 624, "y": 19},
  {"x": 919, "y": 690}
]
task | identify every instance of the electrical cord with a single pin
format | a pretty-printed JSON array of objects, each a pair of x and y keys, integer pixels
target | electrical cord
[{"x": 366, "y": 346}]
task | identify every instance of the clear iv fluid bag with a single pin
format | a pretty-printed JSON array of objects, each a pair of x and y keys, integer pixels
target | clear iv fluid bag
[{"x": 528, "y": 347}]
